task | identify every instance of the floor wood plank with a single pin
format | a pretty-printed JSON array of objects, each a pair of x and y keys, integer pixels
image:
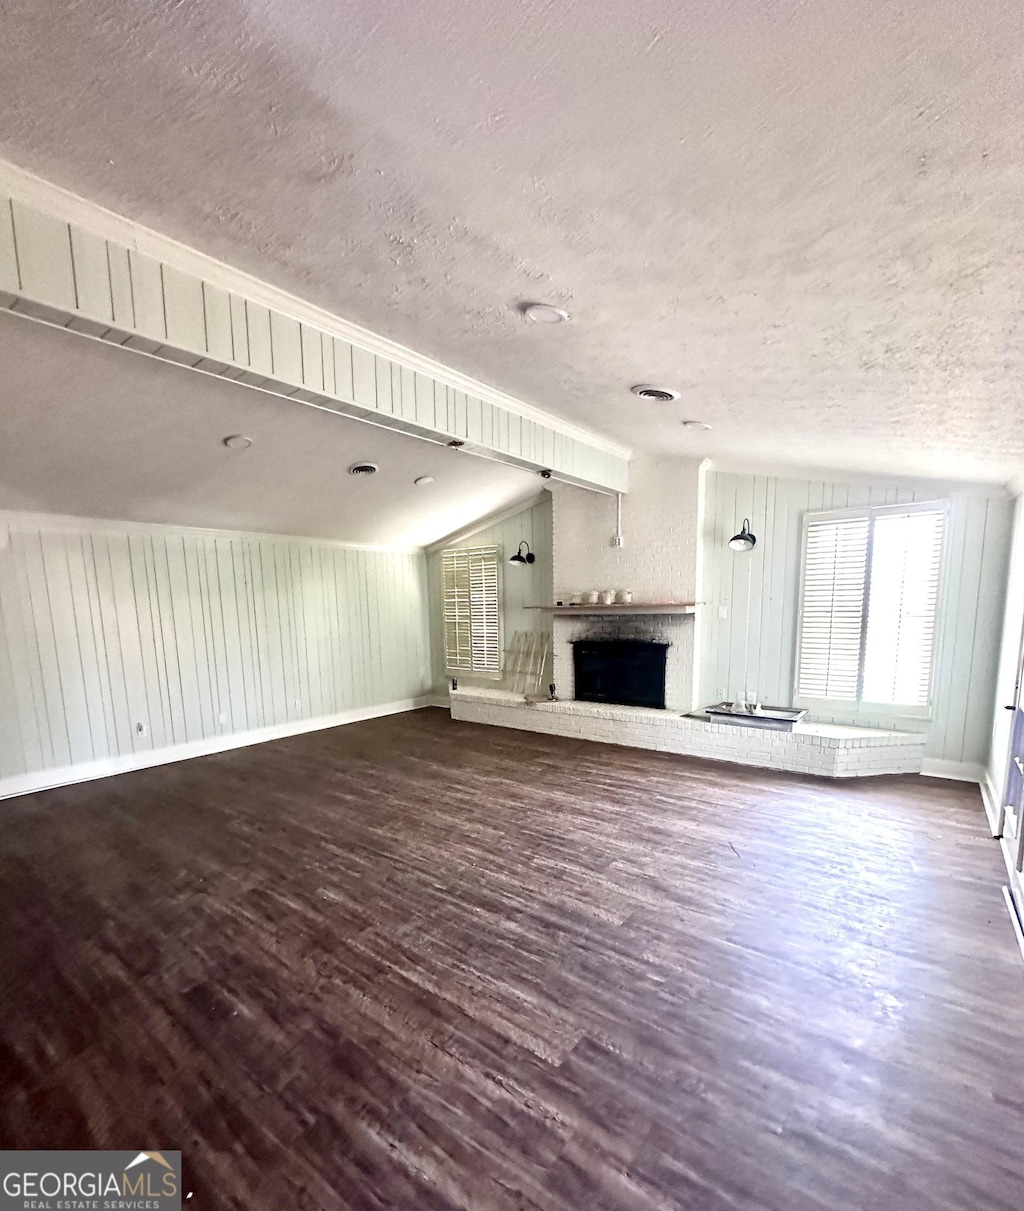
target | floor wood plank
[{"x": 420, "y": 964}]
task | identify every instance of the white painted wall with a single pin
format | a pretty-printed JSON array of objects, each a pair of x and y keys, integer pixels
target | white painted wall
[
  {"x": 752, "y": 648},
  {"x": 521, "y": 587},
  {"x": 659, "y": 557},
  {"x": 206, "y": 639}
]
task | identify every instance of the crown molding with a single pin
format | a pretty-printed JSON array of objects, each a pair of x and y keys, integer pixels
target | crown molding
[{"x": 25, "y": 186}]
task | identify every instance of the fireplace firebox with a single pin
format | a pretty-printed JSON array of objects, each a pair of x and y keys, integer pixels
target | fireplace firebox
[{"x": 628, "y": 672}]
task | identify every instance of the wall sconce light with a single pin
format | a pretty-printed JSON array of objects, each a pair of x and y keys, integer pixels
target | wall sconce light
[
  {"x": 519, "y": 557},
  {"x": 744, "y": 540}
]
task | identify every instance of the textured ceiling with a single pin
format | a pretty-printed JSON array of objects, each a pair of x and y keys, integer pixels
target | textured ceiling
[
  {"x": 91, "y": 430},
  {"x": 807, "y": 217}
]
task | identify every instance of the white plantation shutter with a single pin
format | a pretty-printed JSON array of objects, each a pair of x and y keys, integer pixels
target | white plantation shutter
[
  {"x": 458, "y": 634},
  {"x": 869, "y": 605},
  {"x": 472, "y": 616},
  {"x": 485, "y": 620},
  {"x": 832, "y": 619},
  {"x": 906, "y": 554}
]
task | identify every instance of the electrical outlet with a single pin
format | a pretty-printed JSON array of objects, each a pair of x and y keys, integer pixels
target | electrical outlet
[
  {"x": 723, "y": 611},
  {"x": 298, "y": 704},
  {"x": 141, "y": 728},
  {"x": 616, "y": 540},
  {"x": 222, "y": 717}
]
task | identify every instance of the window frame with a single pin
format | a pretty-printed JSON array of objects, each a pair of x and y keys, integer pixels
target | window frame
[
  {"x": 860, "y": 706},
  {"x": 467, "y": 670}
]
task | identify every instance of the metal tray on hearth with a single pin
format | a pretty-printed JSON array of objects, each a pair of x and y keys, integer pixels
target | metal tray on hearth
[{"x": 775, "y": 718}]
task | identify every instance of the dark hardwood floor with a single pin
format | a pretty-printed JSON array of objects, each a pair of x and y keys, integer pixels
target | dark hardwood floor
[{"x": 420, "y": 964}]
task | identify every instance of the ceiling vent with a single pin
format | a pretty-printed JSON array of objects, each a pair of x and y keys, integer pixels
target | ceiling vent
[
  {"x": 363, "y": 469},
  {"x": 662, "y": 395}
]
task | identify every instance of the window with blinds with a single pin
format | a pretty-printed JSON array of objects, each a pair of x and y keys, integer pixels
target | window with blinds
[
  {"x": 472, "y": 613},
  {"x": 869, "y": 606}
]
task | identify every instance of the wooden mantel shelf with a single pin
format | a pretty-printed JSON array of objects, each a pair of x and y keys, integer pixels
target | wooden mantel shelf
[{"x": 633, "y": 607}]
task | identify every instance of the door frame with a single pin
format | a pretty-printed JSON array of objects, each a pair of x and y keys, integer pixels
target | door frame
[{"x": 1013, "y": 761}]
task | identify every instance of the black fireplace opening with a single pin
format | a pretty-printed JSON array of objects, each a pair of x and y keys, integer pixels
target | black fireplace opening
[{"x": 629, "y": 672}]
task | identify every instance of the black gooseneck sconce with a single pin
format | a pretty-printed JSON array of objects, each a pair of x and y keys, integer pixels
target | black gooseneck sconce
[
  {"x": 744, "y": 540},
  {"x": 519, "y": 557}
]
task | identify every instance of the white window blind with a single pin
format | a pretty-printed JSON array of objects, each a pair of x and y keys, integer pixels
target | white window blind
[
  {"x": 869, "y": 605},
  {"x": 472, "y": 614},
  {"x": 832, "y": 619}
]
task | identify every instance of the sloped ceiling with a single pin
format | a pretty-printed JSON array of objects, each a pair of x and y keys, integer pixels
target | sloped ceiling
[
  {"x": 806, "y": 217},
  {"x": 93, "y": 430}
]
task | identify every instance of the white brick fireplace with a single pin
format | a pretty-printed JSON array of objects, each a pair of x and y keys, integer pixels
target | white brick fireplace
[
  {"x": 674, "y": 629},
  {"x": 658, "y": 561}
]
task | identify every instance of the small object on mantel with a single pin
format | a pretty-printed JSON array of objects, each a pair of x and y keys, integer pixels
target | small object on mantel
[{"x": 633, "y": 607}]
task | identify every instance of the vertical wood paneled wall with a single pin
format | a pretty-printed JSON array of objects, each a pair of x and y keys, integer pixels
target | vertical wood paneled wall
[
  {"x": 521, "y": 587},
  {"x": 193, "y": 636},
  {"x": 753, "y": 647}
]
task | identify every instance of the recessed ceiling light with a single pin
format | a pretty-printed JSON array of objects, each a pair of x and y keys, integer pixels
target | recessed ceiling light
[
  {"x": 238, "y": 441},
  {"x": 662, "y": 395},
  {"x": 698, "y": 425},
  {"x": 545, "y": 313},
  {"x": 421, "y": 481},
  {"x": 363, "y": 469}
]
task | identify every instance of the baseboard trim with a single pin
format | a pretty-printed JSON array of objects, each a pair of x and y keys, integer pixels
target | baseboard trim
[
  {"x": 990, "y": 799},
  {"x": 1015, "y": 922},
  {"x": 959, "y": 771},
  {"x": 88, "y": 771},
  {"x": 1013, "y": 876}
]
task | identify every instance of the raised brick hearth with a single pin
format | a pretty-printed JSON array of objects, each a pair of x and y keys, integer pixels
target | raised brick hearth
[{"x": 828, "y": 750}]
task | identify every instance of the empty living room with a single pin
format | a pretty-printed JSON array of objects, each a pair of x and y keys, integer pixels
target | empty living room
[{"x": 511, "y": 606}]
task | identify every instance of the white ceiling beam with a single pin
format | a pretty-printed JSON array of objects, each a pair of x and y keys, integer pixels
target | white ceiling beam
[{"x": 68, "y": 262}]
